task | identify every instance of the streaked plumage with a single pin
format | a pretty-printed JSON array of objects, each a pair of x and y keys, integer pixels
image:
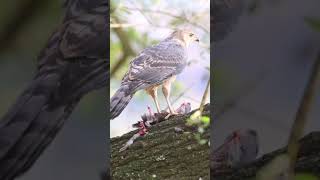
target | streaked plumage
[{"x": 154, "y": 66}]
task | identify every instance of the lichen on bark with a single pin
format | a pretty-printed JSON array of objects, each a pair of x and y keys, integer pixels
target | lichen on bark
[{"x": 162, "y": 153}]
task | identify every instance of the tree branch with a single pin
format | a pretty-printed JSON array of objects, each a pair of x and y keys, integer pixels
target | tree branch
[
  {"x": 301, "y": 116},
  {"x": 308, "y": 161},
  {"x": 163, "y": 153},
  {"x": 183, "y": 18},
  {"x": 126, "y": 49}
]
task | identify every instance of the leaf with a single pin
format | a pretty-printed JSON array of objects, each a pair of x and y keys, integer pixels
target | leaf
[
  {"x": 203, "y": 141},
  {"x": 205, "y": 119},
  {"x": 305, "y": 176},
  {"x": 201, "y": 130},
  {"x": 314, "y": 23},
  {"x": 176, "y": 22}
]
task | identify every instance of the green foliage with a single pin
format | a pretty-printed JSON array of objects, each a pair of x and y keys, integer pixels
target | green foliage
[
  {"x": 115, "y": 52},
  {"x": 305, "y": 176},
  {"x": 202, "y": 122},
  {"x": 176, "y": 22},
  {"x": 314, "y": 23},
  {"x": 177, "y": 88},
  {"x": 205, "y": 120}
]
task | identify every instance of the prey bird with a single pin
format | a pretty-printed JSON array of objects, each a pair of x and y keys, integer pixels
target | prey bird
[
  {"x": 73, "y": 63},
  {"x": 155, "y": 66},
  {"x": 149, "y": 119},
  {"x": 238, "y": 149}
]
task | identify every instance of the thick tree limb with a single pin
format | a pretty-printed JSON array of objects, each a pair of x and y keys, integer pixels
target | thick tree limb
[
  {"x": 302, "y": 114},
  {"x": 72, "y": 64},
  {"x": 163, "y": 153},
  {"x": 308, "y": 161},
  {"x": 126, "y": 49},
  {"x": 169, "y": 155}
]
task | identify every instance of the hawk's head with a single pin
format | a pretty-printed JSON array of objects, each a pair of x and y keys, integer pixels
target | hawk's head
[{"x": 184, "y": 36}]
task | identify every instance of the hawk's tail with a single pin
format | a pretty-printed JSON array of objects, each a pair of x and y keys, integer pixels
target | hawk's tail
[{"x": 120, "y": 100}]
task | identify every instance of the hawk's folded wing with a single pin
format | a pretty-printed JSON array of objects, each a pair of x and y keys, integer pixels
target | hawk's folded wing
[{"x": 157, "y": 63}]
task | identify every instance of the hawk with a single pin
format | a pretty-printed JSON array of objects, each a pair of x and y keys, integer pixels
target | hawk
[{"x": 155, "y": 66}]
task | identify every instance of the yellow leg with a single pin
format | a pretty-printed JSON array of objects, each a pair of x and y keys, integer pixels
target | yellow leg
[
  {"x": 152, "y": 91},
  {"x": 166, "y": 89}
]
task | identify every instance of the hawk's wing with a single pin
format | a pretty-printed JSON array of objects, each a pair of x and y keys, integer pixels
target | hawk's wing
[{"x": 157, "y": 63}]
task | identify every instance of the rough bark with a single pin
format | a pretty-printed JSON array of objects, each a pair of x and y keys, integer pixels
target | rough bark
[
  {"x": 308, "y": 161},
  {"x": 163, "y": 153}
]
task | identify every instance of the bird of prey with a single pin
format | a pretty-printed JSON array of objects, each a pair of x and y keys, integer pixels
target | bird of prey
[
  {"x": 73, "y": 63},
  {"x": 154, "y": 66}
]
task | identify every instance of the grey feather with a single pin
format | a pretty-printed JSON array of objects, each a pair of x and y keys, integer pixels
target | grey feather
[{"x": 157, "y": 63}]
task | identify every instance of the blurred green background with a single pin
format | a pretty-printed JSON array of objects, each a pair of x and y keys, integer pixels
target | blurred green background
[{"x": 79, "y": 150}]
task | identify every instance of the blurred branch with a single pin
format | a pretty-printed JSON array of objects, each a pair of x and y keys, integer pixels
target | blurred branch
[
  {"x": 192, "y": 98},
  {"x": 123, "y": 25},
  {"x": 142, "y": 13},
  {"x": 180, "y": 95},
  {"x": 204, "y": 97},
  {"x": 308, "y": 162},
  {"x": 301, "y": 116},
  {"x": 25, "y": 11},
  {"x": 126, "y": 48},
  {"x": 183, "y": 18}
]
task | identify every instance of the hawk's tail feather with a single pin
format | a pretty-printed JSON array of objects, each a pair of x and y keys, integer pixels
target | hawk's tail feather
[{"x": 120, "y": 100}]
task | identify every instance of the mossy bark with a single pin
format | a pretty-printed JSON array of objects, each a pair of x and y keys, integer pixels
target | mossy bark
[
  {"x": 166, "y": 154},
  {"x": 163, "y": 153}
]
